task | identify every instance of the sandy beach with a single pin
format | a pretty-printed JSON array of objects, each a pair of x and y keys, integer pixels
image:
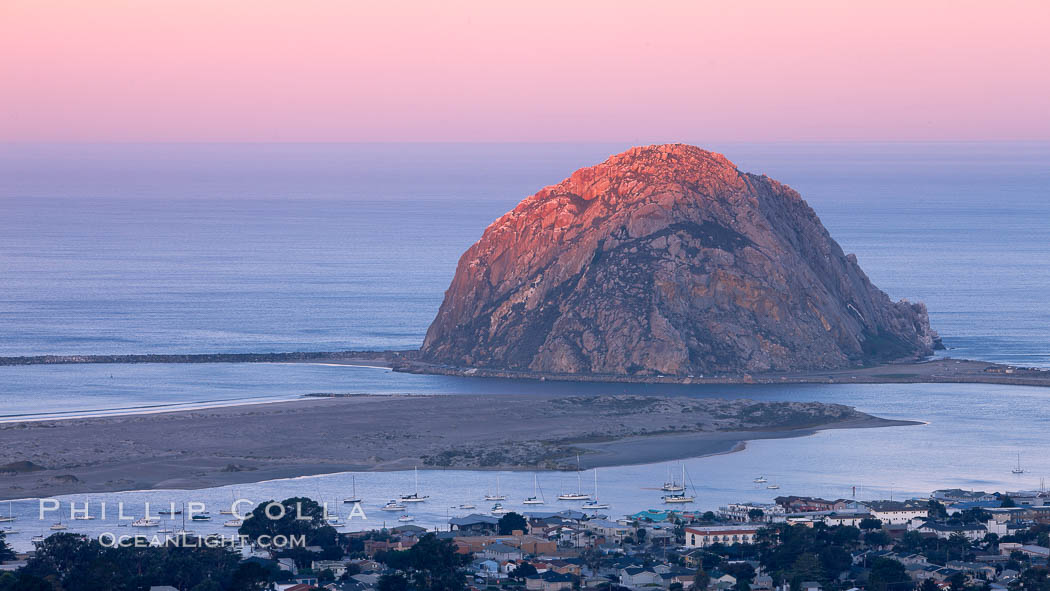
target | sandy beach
[{"x": 250, "y": 443}]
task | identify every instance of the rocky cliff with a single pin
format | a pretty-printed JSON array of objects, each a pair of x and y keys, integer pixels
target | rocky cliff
[{"x": 667, "y": 260}]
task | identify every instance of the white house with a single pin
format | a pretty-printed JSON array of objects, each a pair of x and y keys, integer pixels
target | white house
[
  {"x": 898, "y": 512},
  {"x": 701, "y": 536}
]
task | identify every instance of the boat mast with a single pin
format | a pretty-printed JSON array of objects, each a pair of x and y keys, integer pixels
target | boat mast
[{"x": 579, "y": 478}]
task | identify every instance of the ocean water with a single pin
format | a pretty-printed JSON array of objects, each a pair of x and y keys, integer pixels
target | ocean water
[
  {"x": 971, "y": 439},
  {"x": 231, "y": 248},
  {"x": 201, "y": 248}
]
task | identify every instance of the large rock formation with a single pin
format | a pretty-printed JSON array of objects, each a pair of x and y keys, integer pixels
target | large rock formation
[{"x": 667, "y": 260}]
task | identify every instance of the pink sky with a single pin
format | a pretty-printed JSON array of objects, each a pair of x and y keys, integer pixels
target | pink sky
[{"x": 493, "y": 70}]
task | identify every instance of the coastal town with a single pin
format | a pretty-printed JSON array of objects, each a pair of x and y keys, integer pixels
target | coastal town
[{"x": 951, "y": 540}]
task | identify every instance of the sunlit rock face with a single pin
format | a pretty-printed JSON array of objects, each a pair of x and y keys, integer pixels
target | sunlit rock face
[{"x": 667, "y": 260}]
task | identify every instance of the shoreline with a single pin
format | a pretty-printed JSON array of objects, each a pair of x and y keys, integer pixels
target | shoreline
[
  {"x": 253, "y": 443},
  {"x": 943, "y": 370}
]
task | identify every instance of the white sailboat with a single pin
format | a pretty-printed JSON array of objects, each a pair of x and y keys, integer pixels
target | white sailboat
[
  {"x": 671, "y": 485},
  {"x": 1018, "y": 469},
  {"x": 537, "y": 496},
  {"x": 415, "y": 497},
  {"x": 679, "y": 497},
  {"x": 353, "y": 499},
  {"x": 578, "y": 495},
  {"x": 59, "y": 526},
  {"x": 497, "y": 496},
  {"x": 233, "y": 499},
  {"x": 595, "y": 504}
]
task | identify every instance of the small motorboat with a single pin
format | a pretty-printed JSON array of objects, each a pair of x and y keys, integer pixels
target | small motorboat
[
  {"x": 146, "y": 522},
  {"x": 393, "y": 506},
  {"x": 406, "y": 518},
  {"x": 498, "y": 509}
]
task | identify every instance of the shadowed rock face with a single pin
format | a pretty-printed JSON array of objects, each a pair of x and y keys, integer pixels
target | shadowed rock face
[{"x": 667, "y": 260}]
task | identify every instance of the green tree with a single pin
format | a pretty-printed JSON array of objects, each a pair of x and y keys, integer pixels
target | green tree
[
  {"x": 937, "y": 510},
  {"x": 295, "y": 518},
  {"x": 877, "y": 538},
  {"x": 6, "y": 553},
  {"x": 957, "y": 582},
  {"x": 510, "y": 522},
  {"x": 888, "y": 575},
  {"x": 755, "y": 514},
  {"x": 392, "y": 582},
  {"x": 1006, "y": 501},
  {"x": 807, "y": 567},
  {"x": 929, "y": 585},
  {"x": 701, "y": 579},
  {"x": 251, "y": 576},
  {"x": 870, "y": 523},
  {"x": 431, "y": 563},
  {"x": 523, "y": 570}
]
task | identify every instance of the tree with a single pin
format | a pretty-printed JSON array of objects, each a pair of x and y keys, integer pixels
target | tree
[
  {"x": 392, "y": 583},
  {"x": 870, "y": 523},
  {"x": 294, "y": 517},
  {"x": 807, "y": 567},
  {"x": 1006, "y": 501},
  {"x": 929, "y": 585},
  {"x": 888, "y": 575},
  {"x": 957, "y": 582},
  {"x": 877, "y": 538},
  {"x": 6, "y": 553},
  {"x": 756, "y": 514},
  {"x": 510, "y": 522},
  {"x": 432, "y": 564},
  {"x": 523, "y": 570},
  {"x": 701, "y": 579},
  {"x": 251, "y": 576},
  {"x": 937, "y": 510}
]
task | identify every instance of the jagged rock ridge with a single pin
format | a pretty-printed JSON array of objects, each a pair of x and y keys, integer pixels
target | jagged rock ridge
[{"x": 667, "y": 260}]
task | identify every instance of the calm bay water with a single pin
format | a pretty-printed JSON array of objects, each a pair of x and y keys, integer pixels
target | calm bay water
[{"x": 231, "y": 248}]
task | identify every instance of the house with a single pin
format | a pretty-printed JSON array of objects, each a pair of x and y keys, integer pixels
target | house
[
  {"x": 549, "y": 581},
  {"x": 501, "y": 552},
  {"x": 898, "y": 511},
  {"x": 1033, "y": 551},
  {"x": 639, "y": 576},
  {"x": 741, "y": 512},
  {"x": 958, "y": 495},
  {"x": 973, "y": 532},
  {"x": 762, "y": 583},
  {"x": 474, "y": 523},
  {"x": 610, "y": 530},
  {"x": 338, "y": 568},
  {"x": 795, "y": 504},
  {"x": 810, "y": 586},
  {"x": 701, "y": 536}
]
